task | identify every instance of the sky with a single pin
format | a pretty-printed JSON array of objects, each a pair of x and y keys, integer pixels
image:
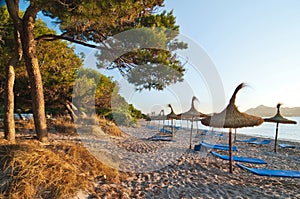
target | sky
[
  {"x": 255, "y": 41},
  {"x": 251, "y": 41}
]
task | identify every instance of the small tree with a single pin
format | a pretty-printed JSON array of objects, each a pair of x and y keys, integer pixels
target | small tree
[{"x": 13, "y": 53}]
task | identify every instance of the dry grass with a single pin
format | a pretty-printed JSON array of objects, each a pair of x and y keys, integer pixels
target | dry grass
[
  {"x": 22, "y": 125},
  {"x": 65, "y": 126},
  {"x": 30, "y": 170},
  {"x": 88, "y": 165},
  {"x": 110, "y": 128},
  {"x": 62, "y": 125}
]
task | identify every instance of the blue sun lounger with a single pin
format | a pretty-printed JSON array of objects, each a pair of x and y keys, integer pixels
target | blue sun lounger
[
  {"x": 287, "y": 146},
  {"x": 214, "y": 146},
  {"x": 261, "y": 142},
  {"x": 271, "y": 172},
  {"x": 161, "y": 138},
  {"x": 220, "y": 145},
  {"x": 248, "y": 140},
  {"x": 170, "y": 126},
  {"x": 150, "y": 126},
  {"x": 239, "y": 158},
  {"x": 162, "y": 130}
]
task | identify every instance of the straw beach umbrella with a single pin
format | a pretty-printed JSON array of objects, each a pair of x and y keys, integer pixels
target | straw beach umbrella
[
  {"x": 278, "y": 118},
  {"x": 160, "y": 117},
  {"x": 192, "y": 114},
  {"x": 148, "y": 119},
  {"x": 171, "y": 116},
  {"x": 230, "y": 118}
]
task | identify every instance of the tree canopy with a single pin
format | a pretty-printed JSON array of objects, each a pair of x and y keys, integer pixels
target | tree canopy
[
  {"x": 151, "y": 61},
  {"x": 58, "y": 63},
  {"x": 92, "y": 23}
]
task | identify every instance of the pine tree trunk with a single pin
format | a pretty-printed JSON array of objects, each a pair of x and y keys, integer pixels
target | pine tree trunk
[
  {"x": 25, "y": 27},
  {"x": 9, "y": 120},
  {"x": 35, "y": 79},
  {"x": 69, "y": 106}
]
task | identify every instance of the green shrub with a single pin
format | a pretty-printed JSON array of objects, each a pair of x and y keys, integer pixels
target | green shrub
[{"x": 121, "y": 118}]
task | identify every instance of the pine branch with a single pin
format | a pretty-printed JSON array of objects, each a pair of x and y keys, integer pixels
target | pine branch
[{"x": 52, "y": 37}]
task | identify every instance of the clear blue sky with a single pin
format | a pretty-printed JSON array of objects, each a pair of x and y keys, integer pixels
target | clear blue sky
[{"x": 252, "y": 41}]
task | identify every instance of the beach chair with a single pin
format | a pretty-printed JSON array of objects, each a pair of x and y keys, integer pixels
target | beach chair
[
  {"x": 162, "y": 130},
  {"x": 220, "y": 145},
  {"x": 271, "y": 172},
  {"x": 168, "y": 129},
  {"x": 287, "y": 146},
  {"x": 239, "y": 158},
  {"x": 214, "y": 146},
  {"x": 219, "y": 135},
  {"x": 161, "y": 138},
  {"x": 150, "y": 126},
  {"x": 247, "y": 140},
  {"x": 261, "y": 142},
  {"x": 170, "y": 126}
]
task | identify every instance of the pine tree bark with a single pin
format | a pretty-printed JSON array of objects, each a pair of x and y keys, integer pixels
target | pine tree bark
[
  {"x": 35, "y": 78},
  {"x": 69, "y": 106},
  {"x": 26, "y": 28},
  {"x": 9, "y": 120}
]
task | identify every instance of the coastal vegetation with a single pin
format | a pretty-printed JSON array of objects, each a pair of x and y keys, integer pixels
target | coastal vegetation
[
  {"x": 52, "y": 66},
  {"x": 39, "y": 68}
]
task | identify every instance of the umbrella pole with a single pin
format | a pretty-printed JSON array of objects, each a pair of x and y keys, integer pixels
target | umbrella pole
[
  {"x": 158, "y": 124},
  {"x": 172, "y": 127},
  {"x": 191, "y": 132},
  {"x": 230, "y": 150},
  {"x": 234, "y": 135},
  {"x": 276, "y": 135}
]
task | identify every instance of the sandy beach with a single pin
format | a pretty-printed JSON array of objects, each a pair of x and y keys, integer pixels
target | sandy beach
[
  {"x": 169, "y": 169},
  {"x": 163, "y": 169}
]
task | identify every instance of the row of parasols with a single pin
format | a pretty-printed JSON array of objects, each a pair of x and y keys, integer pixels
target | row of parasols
[{"x": 230, "y": 118}]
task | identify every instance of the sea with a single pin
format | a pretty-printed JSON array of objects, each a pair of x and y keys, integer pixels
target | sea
[{"x": 286, "y": 132}]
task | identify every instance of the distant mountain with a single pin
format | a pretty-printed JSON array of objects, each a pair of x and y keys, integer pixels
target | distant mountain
[{"x": 265, "y": 111}]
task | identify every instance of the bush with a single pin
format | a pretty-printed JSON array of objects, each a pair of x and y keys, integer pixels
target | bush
[{"x": 122, "y": 118}]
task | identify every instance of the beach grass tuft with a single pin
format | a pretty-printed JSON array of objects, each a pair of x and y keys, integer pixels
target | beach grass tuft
[{"x": 31, "y": 170}]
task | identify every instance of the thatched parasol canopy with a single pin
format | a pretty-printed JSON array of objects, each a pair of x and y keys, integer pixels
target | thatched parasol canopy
[
  {"x": 278, "y": 118},
  {"x": 193, "y": 113},
  {"x": 160, "y": 116},
  {"x": 171, "y": 115},
  {"x": 230, "y": 118}
]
